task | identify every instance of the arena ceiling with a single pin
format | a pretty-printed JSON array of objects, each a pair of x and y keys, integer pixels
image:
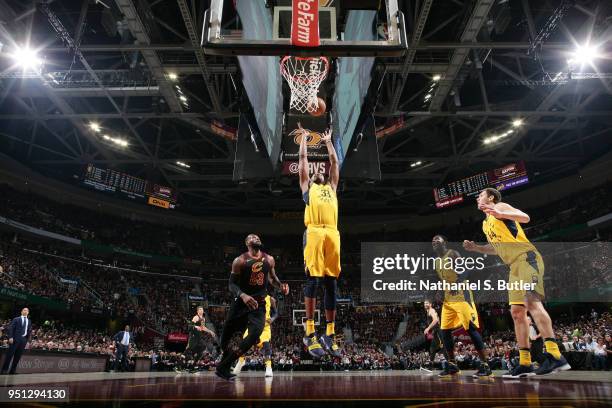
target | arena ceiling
[{"x": 116, "y": 63}]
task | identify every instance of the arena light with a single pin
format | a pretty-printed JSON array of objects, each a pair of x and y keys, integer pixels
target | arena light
[
  {"x": 27, "y": 59},
  {"x": 116, "y": 140},
  {"x": 183, "y": 164},
  {"x": 415, "y": 164},
  {"x": 492, "y": 139},
  {"x": 172, "y": 76},
  {"x": 183, "y": 98},
  {"x": 584, "y": 54},
  {"x": 517, "y": 123},
  {"x": 95, "y": 126},
  {"x": 436, "y": 77}
]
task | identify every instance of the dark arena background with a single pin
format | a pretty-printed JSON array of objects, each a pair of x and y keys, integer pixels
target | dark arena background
[{"x": 141, "y": 142}]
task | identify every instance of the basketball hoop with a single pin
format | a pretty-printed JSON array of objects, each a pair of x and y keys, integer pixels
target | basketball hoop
[{"x": 304, "y": 76}]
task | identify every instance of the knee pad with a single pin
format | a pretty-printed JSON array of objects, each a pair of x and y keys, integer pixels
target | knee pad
[
  {"x": 447, "y": 339},
  {"x": 267, "y": 349},
  {"x": 476, "y": 337},
  {"x": 331, "y": 286},
  {"x": 310, "y": 288}
]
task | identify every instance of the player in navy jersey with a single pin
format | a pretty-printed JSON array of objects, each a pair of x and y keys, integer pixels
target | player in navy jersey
[{"x": 251, "y": 273}]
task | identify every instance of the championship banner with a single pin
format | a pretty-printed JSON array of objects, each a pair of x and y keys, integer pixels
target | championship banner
[
  {"x": 224, "y": 130},
  {"x": 315, "y": 126},
  {"x": 390, "y": 127},
  {"x": 305, "y": 23},
  {"x": 290, "y": 168}
]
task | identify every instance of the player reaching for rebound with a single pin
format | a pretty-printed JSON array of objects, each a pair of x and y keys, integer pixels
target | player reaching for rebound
[
  {"x": 251, "y": 273},
  {"x": 264, "y": 339},
  {"x": 321, "y": 244},
  {"x": 506, "y": 239},
  {"x": 196, "y": 345},
  {"x": 458, "y": 310}
]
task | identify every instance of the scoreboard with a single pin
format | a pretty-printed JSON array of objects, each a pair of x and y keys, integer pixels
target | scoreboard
[
  {"x": 123, "y": 184},
  {"x": 502, "y": 178},
  {"x": 114, "y": 181}
]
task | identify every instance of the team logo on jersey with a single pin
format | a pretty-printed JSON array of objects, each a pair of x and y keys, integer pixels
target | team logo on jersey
[
  {"x": 313, "y": 138},
  {"x": 257, "y": 276}
]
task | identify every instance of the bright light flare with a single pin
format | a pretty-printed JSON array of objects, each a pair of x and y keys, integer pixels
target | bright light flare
[
  {"x": 517, "y": 123},
  {"x": 27, "y": 59},
  {"x": 583, "y": 55}
]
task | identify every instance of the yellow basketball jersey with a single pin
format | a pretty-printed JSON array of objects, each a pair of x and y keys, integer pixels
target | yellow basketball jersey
[
  {"x": 446, "y": 273},
  {"x": 507, "y": 238},
  {"x": 321, "y": 206}
]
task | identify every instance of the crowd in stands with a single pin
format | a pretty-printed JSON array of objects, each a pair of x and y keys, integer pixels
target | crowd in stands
[
  {"x": 589, "y": 336},
  {"x": 211, "y": 246}
]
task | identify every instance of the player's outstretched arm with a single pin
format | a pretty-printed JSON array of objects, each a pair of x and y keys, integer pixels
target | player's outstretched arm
[
  {"x": 273, "y": 279},
  {"x": 334, "y": 171},
  {"x": 507, "y": 212},
  {"x": 303, "y": 159}
]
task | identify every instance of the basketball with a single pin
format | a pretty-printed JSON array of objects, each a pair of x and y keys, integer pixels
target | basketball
[{"x": 321, "y": 108}]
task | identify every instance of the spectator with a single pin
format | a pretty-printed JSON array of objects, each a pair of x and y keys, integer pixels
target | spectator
[{"x": 600, "y": 354}]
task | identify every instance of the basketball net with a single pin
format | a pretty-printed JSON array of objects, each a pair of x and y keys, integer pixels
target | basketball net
[{"x": 304, "y": 76}]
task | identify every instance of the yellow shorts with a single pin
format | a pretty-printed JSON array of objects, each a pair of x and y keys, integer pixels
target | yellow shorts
[
  {"x": 455, "y": 314},
  {"x": 266, "y": 335},
  {"x": 322, "y": 251},
  {"x": 528, "y": 268}
]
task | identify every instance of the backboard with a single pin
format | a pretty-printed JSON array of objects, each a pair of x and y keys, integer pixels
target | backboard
[{"x": 241, "y": 27}]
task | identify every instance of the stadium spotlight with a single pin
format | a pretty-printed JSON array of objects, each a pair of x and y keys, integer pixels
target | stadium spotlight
[
  {"x": 27, "y": 59},
  {"x": 172, "y": 76},
  {"x": 517, "y": 123},
  {"x": 436, "y": 77},
  {"x": 95, "y": 126},
  {"x": 583, "y": 54},
  {"x": 116, "y": 140}
]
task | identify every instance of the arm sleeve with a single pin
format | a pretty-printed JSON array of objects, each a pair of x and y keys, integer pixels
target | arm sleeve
[{"x": 234, "y": 286}]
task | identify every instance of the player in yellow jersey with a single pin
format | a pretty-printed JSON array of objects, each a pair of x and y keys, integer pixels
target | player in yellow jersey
[
  {"x": 458, "y": 310},
  {"x": 264, "y": 338},
  {"x": 321, "y": 244},
  {"x": 506, "y": 238}
]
